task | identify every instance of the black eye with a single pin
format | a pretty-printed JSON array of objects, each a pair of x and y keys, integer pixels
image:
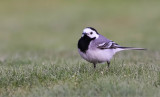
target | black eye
[{"x": 91, "y": 32}]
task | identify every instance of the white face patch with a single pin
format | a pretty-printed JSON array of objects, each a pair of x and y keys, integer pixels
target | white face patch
[{"x": 90, "y": 33}]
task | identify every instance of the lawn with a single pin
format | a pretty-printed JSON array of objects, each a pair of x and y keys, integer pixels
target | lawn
[{"x": 38, "y": 48}]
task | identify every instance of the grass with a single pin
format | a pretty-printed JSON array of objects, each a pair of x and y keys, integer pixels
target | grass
[{"x": 38, "y": 52}]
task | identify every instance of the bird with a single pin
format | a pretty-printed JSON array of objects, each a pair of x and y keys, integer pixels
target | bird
[{"x": 95, "y": 48}]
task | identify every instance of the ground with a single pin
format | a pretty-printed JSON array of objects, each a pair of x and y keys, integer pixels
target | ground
[{"x": 39, "y": 56}]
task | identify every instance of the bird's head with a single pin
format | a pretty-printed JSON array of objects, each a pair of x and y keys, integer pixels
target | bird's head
[{"x": 90, "y": 32}]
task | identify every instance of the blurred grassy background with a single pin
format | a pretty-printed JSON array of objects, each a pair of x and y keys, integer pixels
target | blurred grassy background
[
  {"x": 45, "y": 32},
  {"x": 53, "y": 25}
]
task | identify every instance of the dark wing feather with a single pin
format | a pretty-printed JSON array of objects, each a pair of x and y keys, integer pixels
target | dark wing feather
[{"x": 108, "y": 45}]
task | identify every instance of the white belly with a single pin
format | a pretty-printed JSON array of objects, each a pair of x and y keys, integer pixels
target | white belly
[{"x": 97, "y": 56}]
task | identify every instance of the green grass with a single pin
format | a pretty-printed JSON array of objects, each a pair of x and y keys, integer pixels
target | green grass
[{"x": 38, "y": 48}]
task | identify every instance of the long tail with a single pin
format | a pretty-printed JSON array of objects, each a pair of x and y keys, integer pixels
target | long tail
[
  {"x": 131, "y": 48},
  {"x": 127, "y": 48}
]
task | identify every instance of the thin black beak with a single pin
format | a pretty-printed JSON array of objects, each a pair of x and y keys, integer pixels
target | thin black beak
[{"x": 84, "y": 34}]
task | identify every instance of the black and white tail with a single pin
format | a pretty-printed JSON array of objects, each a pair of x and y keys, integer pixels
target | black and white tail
[
  {"x": 132, "y": 48},
  {"x": 127, "y": 48}
]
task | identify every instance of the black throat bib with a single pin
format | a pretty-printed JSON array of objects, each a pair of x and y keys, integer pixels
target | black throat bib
[{"x": 84, "y": 42}]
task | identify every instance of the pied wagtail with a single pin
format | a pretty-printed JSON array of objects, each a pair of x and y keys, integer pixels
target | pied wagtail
[{"x": 95, "y": 48}]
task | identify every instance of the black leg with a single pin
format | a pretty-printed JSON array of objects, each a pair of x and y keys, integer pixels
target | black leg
[
  {"x": 94, "y": 65},
  {"x": 108, "y": 62}
]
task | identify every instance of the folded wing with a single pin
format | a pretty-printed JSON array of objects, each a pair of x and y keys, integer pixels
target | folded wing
[{"x": 108, "y": 45}]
